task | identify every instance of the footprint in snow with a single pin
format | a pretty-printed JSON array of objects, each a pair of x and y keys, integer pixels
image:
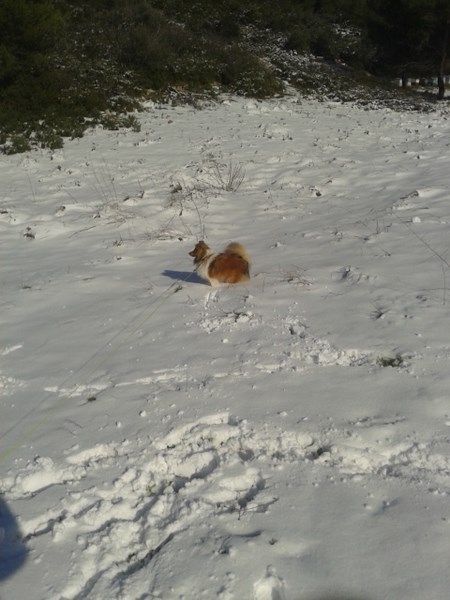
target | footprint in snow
[{"x": 269, "y": 587}]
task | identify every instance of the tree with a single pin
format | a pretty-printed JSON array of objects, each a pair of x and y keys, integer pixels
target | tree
[
  {"x": 412, "y": 37},
  {"x": 400, "y": 30},
  {"x": 29, "y": 31},
  {"x": 440, "y": 42}
]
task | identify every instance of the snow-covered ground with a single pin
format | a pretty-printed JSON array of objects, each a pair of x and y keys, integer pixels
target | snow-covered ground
[{"x": 282, "y": 440}]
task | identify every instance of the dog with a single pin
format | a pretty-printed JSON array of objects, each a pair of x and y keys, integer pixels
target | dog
[{"x": 230, "y": 266}]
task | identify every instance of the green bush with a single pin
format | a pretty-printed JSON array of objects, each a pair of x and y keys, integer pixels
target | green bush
[
  {"x": 149, "y": 52},
  {"x": 29, "y": 26},
  {"x": 246, "y": 75},
  {"x": 8, "y": 63},
  {"x": 48, "y": 137},
  {"x": 16, "y": 144},
  {"x": 299, "y": 39},
  {"x": 324, "y": 42},
  {"x": 228, "y": 27}
]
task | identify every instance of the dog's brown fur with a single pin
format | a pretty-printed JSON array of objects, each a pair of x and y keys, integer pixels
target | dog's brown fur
[
  {"x": 199, "y": 252},
  {"x": 230, "y": 266}
]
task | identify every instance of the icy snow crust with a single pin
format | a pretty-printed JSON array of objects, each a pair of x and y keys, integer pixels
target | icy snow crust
[{"x": 282, "y": 440}]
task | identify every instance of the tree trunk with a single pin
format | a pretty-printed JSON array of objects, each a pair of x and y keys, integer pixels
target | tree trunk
[
  {"x": 441, "y": 80},
  {"x": 441, "y": 86},
  {"x": 404, "y": 80}
]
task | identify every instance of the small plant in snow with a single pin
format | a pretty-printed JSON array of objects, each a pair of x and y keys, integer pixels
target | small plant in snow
[
  {"x": 295, "y": 275},
  {"x": 390, "y": 361},
  {"x": 28, "y": 234},
  {"x": 188, "y": 197},
  {"x": 150, "y": 489},
  {"x": 228, "y": 177}
]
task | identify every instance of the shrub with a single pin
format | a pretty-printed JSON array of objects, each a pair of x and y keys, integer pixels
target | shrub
[
  {"x": 149, "y": 52},
  {"x": 113, "y": 121},
  {"x": 48, "y": 137},
  {"x": 16, "y": 144},
  {"x": 29, "y": 26},
  {"x": 390, "y": 361},
  {"x": 299, "y": 39},
  {"x": 324, "y": 42},
  {"x": 8, "y": 63},
  {"x": 228, "y": 27},
  {"x": 246, "y": 75}
]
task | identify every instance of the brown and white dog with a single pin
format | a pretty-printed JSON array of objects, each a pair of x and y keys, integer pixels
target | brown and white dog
[{"x": 230, "y": 266}]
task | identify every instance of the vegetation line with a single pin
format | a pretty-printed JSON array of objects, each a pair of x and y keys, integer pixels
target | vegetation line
[{"x": 66, "y": 65}]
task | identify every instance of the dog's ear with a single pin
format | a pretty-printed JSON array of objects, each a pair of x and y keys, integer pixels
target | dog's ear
[{"x": 200, "y": 250}]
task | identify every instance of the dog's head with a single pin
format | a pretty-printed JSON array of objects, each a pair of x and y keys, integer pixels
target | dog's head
[{"x": 200, "y": 251}]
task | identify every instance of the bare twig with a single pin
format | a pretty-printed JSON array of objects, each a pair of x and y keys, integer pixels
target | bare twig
[
  {"x": 228, "y": 177},
  {"x": 444, "y": 264}
]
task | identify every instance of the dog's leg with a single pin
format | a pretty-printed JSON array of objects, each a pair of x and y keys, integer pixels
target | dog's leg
[
  {"x": 211, "y": 297},
  {"x": 207, "y": 299}
]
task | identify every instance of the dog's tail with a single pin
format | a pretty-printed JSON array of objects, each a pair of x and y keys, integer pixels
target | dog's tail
[{"x": 236, "y": 248}]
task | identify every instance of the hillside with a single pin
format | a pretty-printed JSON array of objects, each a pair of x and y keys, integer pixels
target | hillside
[
  {"x": 286, "y": 439},
  {"x": 69, "y": 65}
]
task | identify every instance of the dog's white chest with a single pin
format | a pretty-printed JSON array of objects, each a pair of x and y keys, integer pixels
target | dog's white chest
[{"x": 203, "y": 268}]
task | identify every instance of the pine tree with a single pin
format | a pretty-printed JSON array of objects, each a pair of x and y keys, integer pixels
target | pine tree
[{"x": 412, "y": 36}]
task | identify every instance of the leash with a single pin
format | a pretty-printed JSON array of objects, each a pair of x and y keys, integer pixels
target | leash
[{"x": 135, "y": 323}]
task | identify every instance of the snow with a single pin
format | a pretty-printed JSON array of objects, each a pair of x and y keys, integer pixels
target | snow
[{"x": 281, "y": 440}]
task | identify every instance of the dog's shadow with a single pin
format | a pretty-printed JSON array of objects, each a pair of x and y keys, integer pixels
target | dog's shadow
[{"x": 184, "y": 276}]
